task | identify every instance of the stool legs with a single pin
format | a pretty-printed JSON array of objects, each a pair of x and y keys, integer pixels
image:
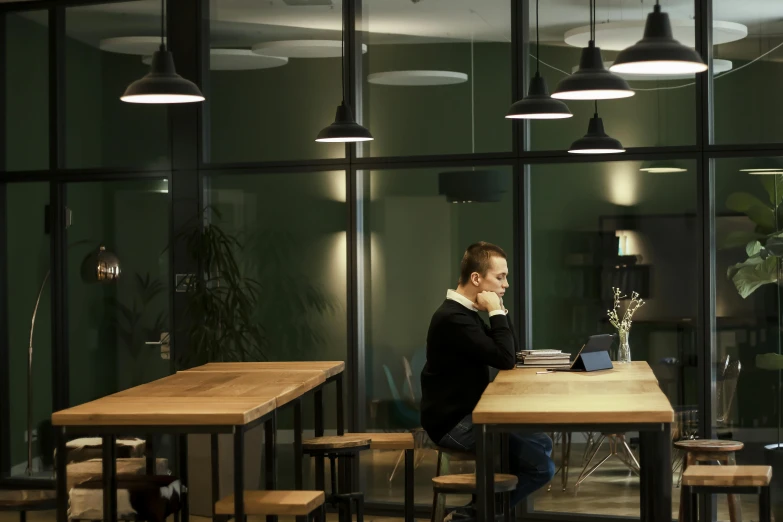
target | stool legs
[
  {"x": 765, "y": 505},
  {"x": 735, "y": 508}
]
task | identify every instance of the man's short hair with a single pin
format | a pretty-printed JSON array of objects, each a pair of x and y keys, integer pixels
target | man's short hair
[{"x": 477, "y": 258}]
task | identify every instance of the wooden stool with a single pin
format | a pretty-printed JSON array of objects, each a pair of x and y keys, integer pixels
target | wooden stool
[
  {"x": 28, "y": 500},
  {"x": 346, "y": 449},
  {"x": 400, "y": 441},
  {"x": 466, "y": 484},
  {"x": 721, "y": 451},
  {"x": 301, "y": 504},
  {"x": 735, "y": 480}
]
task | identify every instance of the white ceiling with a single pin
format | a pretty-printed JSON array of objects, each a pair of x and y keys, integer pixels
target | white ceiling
[{"x": 240, "y": 23}]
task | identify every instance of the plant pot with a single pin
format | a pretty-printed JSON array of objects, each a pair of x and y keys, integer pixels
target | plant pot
[{"x": 773, "y": 456}]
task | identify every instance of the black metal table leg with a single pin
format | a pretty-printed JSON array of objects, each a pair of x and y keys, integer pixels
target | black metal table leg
[
  {"x": 645, "y": 462},
  {"x": 62, "y": 476},
  {"x": 661, "y": 476},
  {"x": 298, "y": 477},
  {"x": 484, "y": 462},
  {"x": 183, "y": 477},
  {"x": 149, "y": 454},
  {"x": 109, "y": 478},
  {"x": 239, "y": 473},
  {"x": 505, "y": 464},
  {"x": 270, "y": 454},
  {"x": 340, "y": 405},
  {"x": 214, "y": 451},
  {"x": 408, "y": 485},
  {"x": 318, "y": 396}
]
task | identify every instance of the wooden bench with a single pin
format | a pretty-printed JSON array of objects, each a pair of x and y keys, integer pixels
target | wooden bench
[
  {"x": 301, "y": 504},
  {"x": 466, "y": 483},
  {"x": 709, "y": 480}
]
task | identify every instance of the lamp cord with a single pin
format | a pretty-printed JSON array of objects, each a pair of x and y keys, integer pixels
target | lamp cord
[
  {"x": 342, "y": 50},
  {"x": 538, "y": 47},
  {"x": 162, "y": 24}
]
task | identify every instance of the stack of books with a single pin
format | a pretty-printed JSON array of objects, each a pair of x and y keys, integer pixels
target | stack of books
[{"x": 543, "y": 359}]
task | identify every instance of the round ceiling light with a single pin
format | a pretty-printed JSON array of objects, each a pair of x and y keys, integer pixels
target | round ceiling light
[
  {"x": 302, "y": 48},
  {"x": 616, "y": 36},
  {"x": 718, "y": 66},
  {"x": 417, "y": 78},
  {"x": 141, "y": 45},
  {"x": 237, "y": 60}
]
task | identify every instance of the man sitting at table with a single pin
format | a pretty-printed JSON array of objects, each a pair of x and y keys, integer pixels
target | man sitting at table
[{"x": 461, "y": 354}]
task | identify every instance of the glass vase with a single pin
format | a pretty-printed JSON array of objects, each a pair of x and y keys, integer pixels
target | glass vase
[{"x": 624, "y": 350}]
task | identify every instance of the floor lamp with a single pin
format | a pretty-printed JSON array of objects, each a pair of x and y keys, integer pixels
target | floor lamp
[{"x": 100, "y": 266}]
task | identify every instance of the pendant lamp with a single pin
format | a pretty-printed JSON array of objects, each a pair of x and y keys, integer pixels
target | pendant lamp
[
  {"x": 538, "y": 105},
  {"x": 596, "y": 141},
  {"x": 662, "y": 167},
  {"x": 162, "y": 84},
  {"x": 658, "y": 52},
  {"x": 344, "y": 129},
  {"x": 592, "y": 81}
]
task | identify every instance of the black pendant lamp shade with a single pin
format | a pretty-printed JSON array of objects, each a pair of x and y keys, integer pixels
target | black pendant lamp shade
[
  {"x": 658, "y": 52},
  {"x": 592, "y": 81},
  {"x": 596, "y": 141},
  {"x": 162, "y": 84},
  {"x": 344, "y": 129},
  {"x": 538, "y": 105}
]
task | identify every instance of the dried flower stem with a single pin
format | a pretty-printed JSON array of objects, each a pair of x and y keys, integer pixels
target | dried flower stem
[{"x": 624, "y": 325}]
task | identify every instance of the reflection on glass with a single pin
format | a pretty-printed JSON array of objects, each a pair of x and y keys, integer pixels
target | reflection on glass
[
  {"x": 292, "y": 228},
  {"x": 27, "y": 91},
  {"x": 661, "y": 113},
  {"x": 437, "y": 77},
  {"x": 274, "y": 80},
  {"x": 105, "y": 50},
  {"x": 417, "y": 224},
  {"x": 110, "y": 324},
  {"x": 601, "y": 225},
  {"x": 28, "y": 264},
  {"x": 746, "y": 363},
  {"x": 747, "y": 63}
]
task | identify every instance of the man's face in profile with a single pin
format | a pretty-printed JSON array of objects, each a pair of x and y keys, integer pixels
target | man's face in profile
[{"x": 496, "y": 278}]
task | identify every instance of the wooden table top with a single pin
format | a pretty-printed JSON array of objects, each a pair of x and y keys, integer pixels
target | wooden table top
[
  {"x": 196, "y": 398},
  {"x": 629, "y": 393},
  {"x": 329, "y": 368}
]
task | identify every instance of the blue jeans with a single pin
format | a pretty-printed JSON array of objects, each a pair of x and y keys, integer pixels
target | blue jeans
[{"x": 530, "y": 456}]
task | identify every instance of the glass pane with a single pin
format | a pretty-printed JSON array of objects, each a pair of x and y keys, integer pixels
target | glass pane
[
  {"x": 28, "y": 270},
  {"x": 105, "y": 49},
  {"x": 746, "y": 363},
  {"x": 597, "y": 226},
  {"x": 661, "y": 112},
  {"x": 291, "y": 234},
  {"x": 414, "y": 240},
  {"x": 747, "y": 108},
  {"x": 27, "y": 91},
  {"x": 110, "y": 322},
  {"x": 437, "y": 77},
  {"x": 274, "y": 80}
]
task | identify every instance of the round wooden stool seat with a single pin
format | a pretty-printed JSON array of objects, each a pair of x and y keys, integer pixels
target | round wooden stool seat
[
  {"x": 338, "y": 442},
  {"x": 26, "y": 500},
  {"x": 707, "y": 445},
  {"x": 457, "y": 455},
  {"x": 466, "y": 483}
]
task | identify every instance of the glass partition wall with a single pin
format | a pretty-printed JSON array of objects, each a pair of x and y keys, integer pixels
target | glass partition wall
[{"x": 361, "y": 242}]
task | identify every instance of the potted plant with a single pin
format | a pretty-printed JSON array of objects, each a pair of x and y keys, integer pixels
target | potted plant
[{"x": 762, "y": 266}]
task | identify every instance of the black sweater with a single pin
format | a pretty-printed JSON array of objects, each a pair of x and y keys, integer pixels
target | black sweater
[{"x": 460, "y": 350}]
